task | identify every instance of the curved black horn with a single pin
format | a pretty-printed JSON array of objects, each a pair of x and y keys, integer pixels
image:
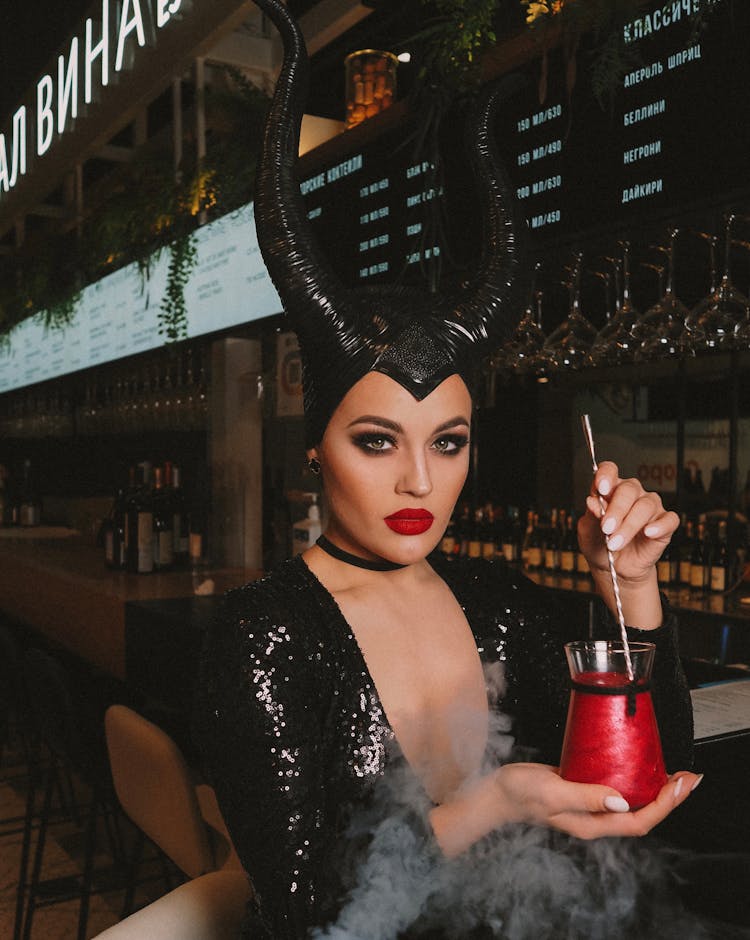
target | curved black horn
[
  {"x": 487, "y": 311},
  {"x": 307, "y": 285}
]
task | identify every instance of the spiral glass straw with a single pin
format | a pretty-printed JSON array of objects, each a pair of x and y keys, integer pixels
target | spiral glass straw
[{"x": 610, "y": 557}]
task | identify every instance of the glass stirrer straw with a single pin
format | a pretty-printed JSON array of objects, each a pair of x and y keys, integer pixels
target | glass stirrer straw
[{"x": 610, "y": 557}]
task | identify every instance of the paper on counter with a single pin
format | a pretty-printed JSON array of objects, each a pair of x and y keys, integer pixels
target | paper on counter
[{"x": 721, "y": 709}]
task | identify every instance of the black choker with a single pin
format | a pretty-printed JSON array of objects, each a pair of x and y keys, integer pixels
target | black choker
[{"x": 355, "y": 560}]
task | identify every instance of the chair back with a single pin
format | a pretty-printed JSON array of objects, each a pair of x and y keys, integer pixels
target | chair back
[{"x": 156, "y": 790}]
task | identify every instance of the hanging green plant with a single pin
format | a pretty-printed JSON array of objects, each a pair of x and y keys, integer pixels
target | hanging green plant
[
  {"x": 147, "y": 208},
  {"x": 173, "y": 309}
]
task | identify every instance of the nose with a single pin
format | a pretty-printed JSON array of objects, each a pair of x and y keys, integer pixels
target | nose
[{"x": 414, "y": 477}]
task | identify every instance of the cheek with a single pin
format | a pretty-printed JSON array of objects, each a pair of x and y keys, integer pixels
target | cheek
[
  {"x": 449, "y": 478},
  {"x": 352, "y": 485}
]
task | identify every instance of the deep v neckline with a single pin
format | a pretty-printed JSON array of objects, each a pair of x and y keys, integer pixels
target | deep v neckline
[{"x": 348, "y": 636}]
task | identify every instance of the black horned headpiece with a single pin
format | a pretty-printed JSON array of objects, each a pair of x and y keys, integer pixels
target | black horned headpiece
[{"x": 416, "y": 338}]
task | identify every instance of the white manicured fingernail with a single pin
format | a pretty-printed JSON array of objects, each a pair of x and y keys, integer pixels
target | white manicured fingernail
[
  {"x": 604, "y": 487},
  {"x": 609, "y": 526},
  {"x": 616, "y": 804},
  {"x": 651, "y": 531},
  {"x": 678, "y": 788},
  {"x": 615, "y": 543},
  {"x": 697, "y": 783}
]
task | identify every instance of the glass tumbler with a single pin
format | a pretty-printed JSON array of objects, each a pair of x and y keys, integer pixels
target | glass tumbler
[{"x": 611, "y": 736}]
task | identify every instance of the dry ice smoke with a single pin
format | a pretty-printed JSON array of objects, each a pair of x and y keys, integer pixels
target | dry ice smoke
[{"x": 520, "y": 883}]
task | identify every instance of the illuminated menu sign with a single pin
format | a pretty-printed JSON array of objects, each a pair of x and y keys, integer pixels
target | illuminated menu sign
[
  {"x": 367, "y": 210},
  {"x": 119, "y": 315},
  {"x": 676, "y": 132}
]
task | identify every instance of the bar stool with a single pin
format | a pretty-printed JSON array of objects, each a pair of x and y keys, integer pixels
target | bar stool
[
  {"x": 210, "y": 907},
  {"x": 14, "y": 725},
  {"x": 159, "y": 794},
  {"x": 68, "y": 732}
]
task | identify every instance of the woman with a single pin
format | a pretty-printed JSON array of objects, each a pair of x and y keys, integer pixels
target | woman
[{"x": 367, "y": 653}]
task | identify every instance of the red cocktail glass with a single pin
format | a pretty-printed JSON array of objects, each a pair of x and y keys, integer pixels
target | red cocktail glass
[{"x": 611, "y": 736}]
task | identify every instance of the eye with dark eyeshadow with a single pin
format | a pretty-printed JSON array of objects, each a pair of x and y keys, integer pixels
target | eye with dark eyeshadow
[
  {"x": 450, "y": 444},
  {"x": 374, "y": 442}
]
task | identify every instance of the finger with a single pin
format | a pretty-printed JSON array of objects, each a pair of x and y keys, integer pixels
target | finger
[
  {"x": 622, "y": 523},
  {"x": 605, "y": 479},
  {"x": 568, "y": 796},
  {"x": 638, "y": 823},
  {"x": 662, "y": 527}
]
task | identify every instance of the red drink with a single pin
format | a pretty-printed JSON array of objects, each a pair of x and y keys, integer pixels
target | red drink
[{"x": 603, "y": 742}]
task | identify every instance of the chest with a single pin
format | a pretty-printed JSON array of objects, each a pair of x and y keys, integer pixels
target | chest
[{"x": 425, "y": 673}]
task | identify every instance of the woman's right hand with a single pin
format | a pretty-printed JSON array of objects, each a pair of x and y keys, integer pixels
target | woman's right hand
[{"x": 538, "y": 795}]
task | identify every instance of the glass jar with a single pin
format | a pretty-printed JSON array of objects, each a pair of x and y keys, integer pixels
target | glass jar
[
  {"x": 611, "y": 736},
  {"x": 370, "y": 84}
]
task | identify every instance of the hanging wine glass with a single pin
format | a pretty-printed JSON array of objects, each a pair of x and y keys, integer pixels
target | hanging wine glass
[
  {"x": 661, "y": 330},
  {"x": 616, "y": 342},
  {"x": 600, "y": 346},
  {"x": 522, "y": 350},
  {"x": 569, "y": 346},
  {"x": 717, "y": 319}
]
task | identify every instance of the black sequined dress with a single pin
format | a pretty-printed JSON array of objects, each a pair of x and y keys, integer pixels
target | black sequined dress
[{"x": 295, "y": 738}]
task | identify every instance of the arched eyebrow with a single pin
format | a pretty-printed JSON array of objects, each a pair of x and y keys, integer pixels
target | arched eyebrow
[{"x": 458, "y": 421}]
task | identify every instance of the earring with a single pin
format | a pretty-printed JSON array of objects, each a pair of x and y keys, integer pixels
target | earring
[{"x": 313, "y": 465}]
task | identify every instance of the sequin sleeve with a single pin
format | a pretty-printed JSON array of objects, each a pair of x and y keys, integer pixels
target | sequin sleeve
[{"x": 259, "y": 722}]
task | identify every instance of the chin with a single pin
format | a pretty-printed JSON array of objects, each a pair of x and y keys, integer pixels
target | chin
[{"x": 410, "y": 549}]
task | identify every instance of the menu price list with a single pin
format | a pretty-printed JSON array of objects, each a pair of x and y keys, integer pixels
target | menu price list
[
  {"x": 118, "y": 316},
  {"x": 676, "y": 132},
  {"x": 368, "y": 213}
]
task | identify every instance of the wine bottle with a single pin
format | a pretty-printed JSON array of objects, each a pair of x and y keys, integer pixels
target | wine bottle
[
  {"x": 114, "y": 533},
  {"x": 448, "y": 542},
  {"x": 527, "y": 538},
  {"x": 535, "y": 546},
  {"x": 686, "y": 553},
  {"x": 511, "y": 536},
  {"x": 464, "y": 531},
  {"x": 475, "y": 538},
  {"x": 180, "y": 520},
  {"x": 720, "y": 563},
  {"x": 666, "y": 566},
  {"x": 487, "y": 531},
  {"x": 197, "y": 539},
  {"x": 140, "y": 523},
  {"x": 163, "y": 519},
  {"x": 29, "y": 505},
  {"x": 552, "y": 545},
  {"x": 569, "y": 546},
  {"x": 699, "y": 560}
]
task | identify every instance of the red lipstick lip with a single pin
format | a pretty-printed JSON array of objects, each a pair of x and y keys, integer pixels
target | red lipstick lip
[{"x": 410, "y": 521}]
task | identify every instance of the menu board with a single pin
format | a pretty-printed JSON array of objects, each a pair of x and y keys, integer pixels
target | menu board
[
  {"x": 118, "y": 316},
  {"x": 675, "y": 134},
  {"x": 368, "y": 211}
]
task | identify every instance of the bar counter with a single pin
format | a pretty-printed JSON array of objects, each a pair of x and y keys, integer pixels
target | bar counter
[{"x": 56, "y": 582}]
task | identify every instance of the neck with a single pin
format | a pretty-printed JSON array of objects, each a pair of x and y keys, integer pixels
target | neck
[{"x": 377, "y": 564}]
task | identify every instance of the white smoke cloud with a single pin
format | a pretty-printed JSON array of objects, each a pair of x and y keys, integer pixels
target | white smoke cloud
[{"x": 519, "y": 883}]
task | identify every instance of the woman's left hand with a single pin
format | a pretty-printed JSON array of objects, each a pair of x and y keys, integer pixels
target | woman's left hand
[{"x": 635, "y": 525}]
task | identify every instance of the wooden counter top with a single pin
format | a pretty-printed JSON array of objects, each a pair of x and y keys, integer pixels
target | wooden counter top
[{"x": 62, "y": 588}]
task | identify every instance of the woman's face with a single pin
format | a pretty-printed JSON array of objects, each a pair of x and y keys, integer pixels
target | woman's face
[{"x": 393, "y": 467}]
